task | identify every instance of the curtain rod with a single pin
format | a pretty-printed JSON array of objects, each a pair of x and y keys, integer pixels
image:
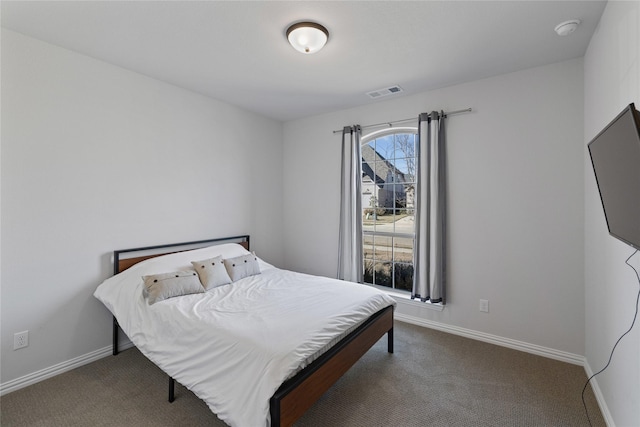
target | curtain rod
[{"x": 390, "y": 124}]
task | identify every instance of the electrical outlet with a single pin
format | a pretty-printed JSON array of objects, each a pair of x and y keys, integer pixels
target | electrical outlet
[
  {"x": 484, "y": 305},
  {"x": 20, "y": 339}
]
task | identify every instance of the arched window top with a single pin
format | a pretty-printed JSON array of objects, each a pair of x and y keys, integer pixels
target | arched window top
[{"x": 387, "y": 131}]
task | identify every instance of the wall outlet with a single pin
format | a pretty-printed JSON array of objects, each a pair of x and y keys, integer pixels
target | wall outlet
[
  {"x": 20, "y": 339},
  {"x": 484, "y": 305}
]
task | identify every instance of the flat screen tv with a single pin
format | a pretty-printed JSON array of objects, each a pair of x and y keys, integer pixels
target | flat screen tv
[{"x": 615, "y": 155}]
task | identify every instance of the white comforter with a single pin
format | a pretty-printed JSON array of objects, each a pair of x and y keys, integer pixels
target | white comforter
[{"x": 234, "y": 345}]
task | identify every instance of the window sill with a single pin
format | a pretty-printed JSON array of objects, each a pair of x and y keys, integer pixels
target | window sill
[{"x": 405, "y": 299}]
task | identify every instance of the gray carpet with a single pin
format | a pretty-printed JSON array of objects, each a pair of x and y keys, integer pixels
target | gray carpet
[{"x": 432, "y": 379}]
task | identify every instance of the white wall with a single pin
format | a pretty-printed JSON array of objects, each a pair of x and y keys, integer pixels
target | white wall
[
  {"x": 612, "y": 81},
  {"x": 97, "y": 158},
  {"x": 516, "y": 201}
]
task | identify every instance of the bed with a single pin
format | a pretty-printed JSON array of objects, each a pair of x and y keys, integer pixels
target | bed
[{"x": 242, "y": 356}]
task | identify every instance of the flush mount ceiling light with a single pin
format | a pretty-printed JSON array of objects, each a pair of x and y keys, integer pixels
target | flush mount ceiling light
[
  {"x": 567, "y": 27},
  {"x": 307, "y": 37}
]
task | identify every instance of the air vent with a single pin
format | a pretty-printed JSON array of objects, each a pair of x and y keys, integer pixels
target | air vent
[{"x": 384, "y": 92}]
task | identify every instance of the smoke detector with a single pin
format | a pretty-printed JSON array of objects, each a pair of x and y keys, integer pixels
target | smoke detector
[{"x": 567, "y": 27}]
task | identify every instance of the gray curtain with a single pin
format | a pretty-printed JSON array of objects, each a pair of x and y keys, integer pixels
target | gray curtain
[
  {"x": 350, "y": 257},
  {"x": 430, "y": 272}
]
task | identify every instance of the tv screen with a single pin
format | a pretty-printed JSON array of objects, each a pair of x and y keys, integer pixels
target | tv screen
[{"x": 615, "y": 155}]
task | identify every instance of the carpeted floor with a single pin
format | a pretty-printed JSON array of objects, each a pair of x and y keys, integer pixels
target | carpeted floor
[{"x": 432, "y": 379}]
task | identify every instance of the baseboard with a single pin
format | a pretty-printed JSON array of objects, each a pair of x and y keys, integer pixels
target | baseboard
[
  {"x": 551, "y": 353},
  {"x": 606, "y": 414},
  {"x": 59, "y": 368}
]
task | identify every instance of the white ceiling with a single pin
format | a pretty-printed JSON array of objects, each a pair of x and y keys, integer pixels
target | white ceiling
[{"x": 236, "y": 51}]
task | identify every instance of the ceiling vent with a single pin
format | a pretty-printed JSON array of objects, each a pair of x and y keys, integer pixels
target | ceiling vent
[{"x": 384, "y": 92}]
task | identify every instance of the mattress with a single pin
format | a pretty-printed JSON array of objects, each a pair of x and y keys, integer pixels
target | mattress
[{"x": 234, "y": 345}]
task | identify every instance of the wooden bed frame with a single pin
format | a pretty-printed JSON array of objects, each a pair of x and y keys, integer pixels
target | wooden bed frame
[{"x": 299, "y": 393}]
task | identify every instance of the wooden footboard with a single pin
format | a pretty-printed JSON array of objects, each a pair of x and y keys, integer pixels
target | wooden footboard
[{"x": 297, "y": 395}]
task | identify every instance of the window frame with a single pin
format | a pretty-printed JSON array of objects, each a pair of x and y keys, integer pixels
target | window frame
[{"x": 365, "y": 140}]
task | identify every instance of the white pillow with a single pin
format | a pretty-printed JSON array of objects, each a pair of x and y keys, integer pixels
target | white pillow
[
  {"x": 212, "y": 272},
  {"x": 242, "y": 266},
  {"x": 168, "y": 285}
]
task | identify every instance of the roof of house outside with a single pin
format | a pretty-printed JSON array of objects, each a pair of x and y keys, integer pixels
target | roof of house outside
[{"x": 371, "y": 158}]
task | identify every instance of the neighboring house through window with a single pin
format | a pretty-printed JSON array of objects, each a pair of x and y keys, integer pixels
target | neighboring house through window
[{"x": 388, "y": 188}]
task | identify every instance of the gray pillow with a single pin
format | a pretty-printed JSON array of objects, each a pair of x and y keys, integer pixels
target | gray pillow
[
  {"x": 242, "y": 266},
  {"x": 168, "y": 285},
  {"x": 212, "y": 272}
]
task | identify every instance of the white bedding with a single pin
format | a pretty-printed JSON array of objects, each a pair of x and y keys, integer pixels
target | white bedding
[{"x": 234, "y": 345}]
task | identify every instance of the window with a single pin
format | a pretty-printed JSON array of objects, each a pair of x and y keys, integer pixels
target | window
[{"x": 388, "y": 188}]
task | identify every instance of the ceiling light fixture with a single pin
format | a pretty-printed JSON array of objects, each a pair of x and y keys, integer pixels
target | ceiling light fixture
[
  {"x": 567, "y": 27},
  {"x": 307, "y": 37}
]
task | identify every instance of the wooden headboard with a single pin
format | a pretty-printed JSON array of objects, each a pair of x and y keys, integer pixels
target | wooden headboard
[{"x": 125, "y": 258}]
